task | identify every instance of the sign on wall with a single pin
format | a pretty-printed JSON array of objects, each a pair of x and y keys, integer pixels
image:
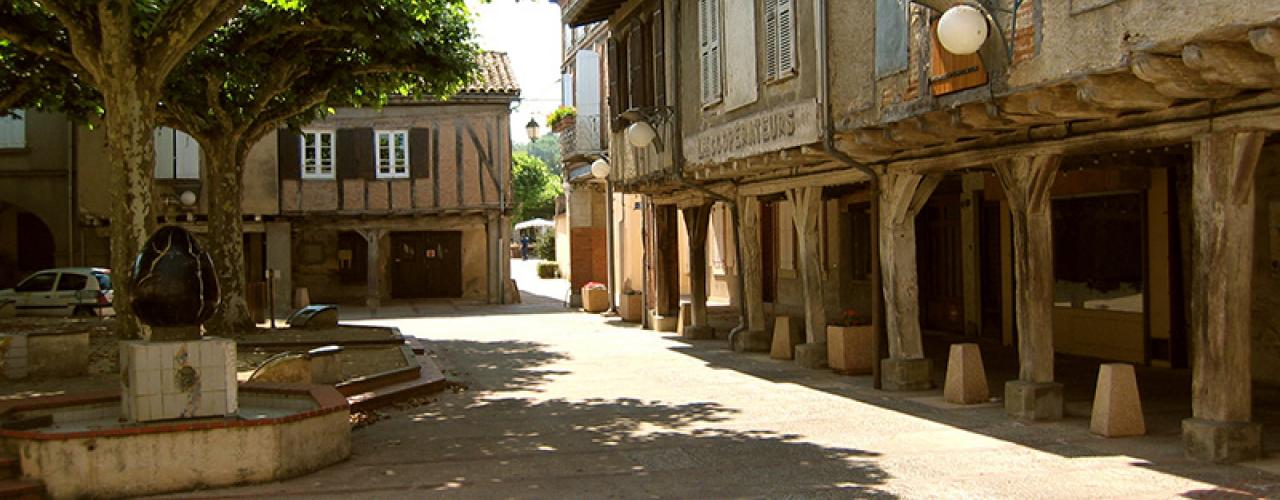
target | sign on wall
[{"x": 773, "y": 130}]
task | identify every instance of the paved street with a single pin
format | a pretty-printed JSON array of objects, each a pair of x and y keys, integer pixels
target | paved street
[{"x": 564, "y": 404}]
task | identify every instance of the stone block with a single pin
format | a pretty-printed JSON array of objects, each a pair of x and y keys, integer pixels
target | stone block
[
  {"x": 685, "y": 317},
  {"x": 632, "y": 308},
  {"x": 663, "y": 323},
  {"x": 1221, "y": 442},
  {"x": 786, "y": 334},
  {"x": 1117, "y": 408},
  {"x": 58, "y": 354},
  {"x": 700, "y": 332},
  {"x": 812, "y": 355},
  {"x": 849, "y": 349},
  {"x": 595, "y": 300},
  {"x": 178, "y": 379},
  {"x": 750, "y": 341},
  {"x": 902, "y": 375},
  {"x": 966, "y": 377},
  {"x": 1033, "y": 400}
]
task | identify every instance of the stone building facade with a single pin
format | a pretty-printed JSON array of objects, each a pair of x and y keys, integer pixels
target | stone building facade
[{"x": 1095, "y": 180}]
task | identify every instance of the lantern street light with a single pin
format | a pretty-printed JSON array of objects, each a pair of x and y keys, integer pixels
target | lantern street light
[
  {"x": 532, "y": 129},
  {"x": 962, "y": 30}
]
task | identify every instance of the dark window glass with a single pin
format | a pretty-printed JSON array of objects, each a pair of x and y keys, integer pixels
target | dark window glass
[
  {"x": 42, "y": 282},
  {"x": 70, "y": 282},
  {"x": 1097, "y": 250},
  {"x": 353, "y": 258},
  {"x": 860, "y": 217},
  {"x": 104, "y": 281}
]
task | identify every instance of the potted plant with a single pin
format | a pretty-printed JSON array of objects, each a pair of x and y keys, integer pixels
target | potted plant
[
  {"x": 562, "y": 119},
  {"x": 595, "y": 297},
  {"x": 849, "y": 343}
]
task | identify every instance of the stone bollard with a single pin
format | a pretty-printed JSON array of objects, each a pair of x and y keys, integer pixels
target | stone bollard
[
  {"x": 685, "y": 317},
  {"x": 785, "y": 337},
  {"x": 301, "y": 298},
  {"x": 1117, "y": 408},
  {"x": 966, "y": 377}
]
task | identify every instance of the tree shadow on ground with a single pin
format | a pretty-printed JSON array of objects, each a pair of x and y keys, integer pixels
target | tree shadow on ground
[
  {"x": 501, "y": 366},
  {"x": 1160, "y": 450}
]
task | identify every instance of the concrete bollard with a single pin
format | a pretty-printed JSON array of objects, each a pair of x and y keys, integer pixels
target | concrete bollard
[
  {"x": 685, "y": 317},
  {"x": 1117, "y": 408},
  {"x": 966, "y": 377},
  {"x": 785, "y": 338}
]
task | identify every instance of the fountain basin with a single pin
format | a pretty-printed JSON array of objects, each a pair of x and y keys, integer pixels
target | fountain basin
[{"x": 78, "y": 445}]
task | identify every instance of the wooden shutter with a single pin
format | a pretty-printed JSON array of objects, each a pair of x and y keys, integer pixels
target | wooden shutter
[
  {"x": 771, "y": 40},
  {"x": 347, "y": 166},
  {"x": 288, "y": 149},
  {"x": 709, "y": 35},
  {"x": 419, "y": 145},
  {"x": 950, "y": 72},
  {"x": 617, "y": 78},
  {"x": 786, "y": 37},
  {"x": 361, "y": 153},
  {"x": 636, "y": 61},
  {"x": 659, "y": 61}
]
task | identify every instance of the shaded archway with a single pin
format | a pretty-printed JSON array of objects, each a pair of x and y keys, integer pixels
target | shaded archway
[{"x": 26, "y": 244}]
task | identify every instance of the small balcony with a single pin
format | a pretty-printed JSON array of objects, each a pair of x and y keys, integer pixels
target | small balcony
[{"x": 583, "y": 140}]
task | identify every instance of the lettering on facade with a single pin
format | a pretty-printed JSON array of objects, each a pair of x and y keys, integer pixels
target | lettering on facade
[{"x": 773, "y": 130}]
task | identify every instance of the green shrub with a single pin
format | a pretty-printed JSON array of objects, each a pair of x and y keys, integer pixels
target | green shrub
[
  {"x": 545, "y": 247},
  {"x": 548, "y": 269}
]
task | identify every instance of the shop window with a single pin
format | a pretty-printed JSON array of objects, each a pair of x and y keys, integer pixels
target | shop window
[{"x": 1097, "y": 248}]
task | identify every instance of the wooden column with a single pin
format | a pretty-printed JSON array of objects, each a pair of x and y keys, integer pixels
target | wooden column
[
  {"x": 373, "y": 274},
  {"x": 1027, "y": 183},
  {"x": 902, "y": 195},
  {"x": 901, "y": 198},
  {"x": 752, "y": 266},
  {"x": 1223, "y": 212},
  {"x": 696, "y": 220},
  {"x": 666, "y": 261},
  {"x": 807, "y": 213}
]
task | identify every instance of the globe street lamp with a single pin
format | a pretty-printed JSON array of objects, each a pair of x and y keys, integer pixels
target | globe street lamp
[{"x": 962, "y": 30}]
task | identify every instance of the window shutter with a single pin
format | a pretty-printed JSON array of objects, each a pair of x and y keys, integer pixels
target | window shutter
[
  {"x": 13, "y": 130},
  {"x": 717, "y": 79},
  {"x": 419, "y": 142},
  {"x": 362, "y": 148},
  {"x": 771, "y": 39},
  {"x": 288, "y": 149},
  {"x": 636, "y": 56},
  {"x": 347, "y": 166},
  {"x": 163, "y": 137},
  {"x": 786, "y": 37},
  {"x": 709, "y": 27},
  {"x": 659, "y": 62},
  {"x": 950, "y": 72},
  {"x": 614, "y": 71}
]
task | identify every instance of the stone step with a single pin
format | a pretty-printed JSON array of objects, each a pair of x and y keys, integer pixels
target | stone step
[{"x": 21, "y": 490}]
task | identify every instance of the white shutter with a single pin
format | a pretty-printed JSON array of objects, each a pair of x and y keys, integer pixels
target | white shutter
[
  {"x": 186, "y": 153},
  {"x": 709, "y": 39},
  {"x": 13, "y": 130},
  {"x": 771, "y": 39},
  {"x": 164, "y": 153},
  {"x": 715, "y": 25},
  {"x": 786, "y": 37}
]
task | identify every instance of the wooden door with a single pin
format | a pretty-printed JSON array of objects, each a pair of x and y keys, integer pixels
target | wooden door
[
  {"x": 991, "y": 273},
  {"x": 768, "y": 251},
  {"x": 941, "y": 271},
  {"x": 426, "y": 264}
]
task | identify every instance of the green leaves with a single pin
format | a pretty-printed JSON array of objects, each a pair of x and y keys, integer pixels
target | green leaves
[{"x": 534, "y": 187}]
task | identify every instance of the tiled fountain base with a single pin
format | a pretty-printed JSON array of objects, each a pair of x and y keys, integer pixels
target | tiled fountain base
[{"x": 180, "y": 379}]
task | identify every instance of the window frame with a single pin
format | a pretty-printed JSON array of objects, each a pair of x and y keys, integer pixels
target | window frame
[
  {"x": 775, "y": 52},
  {"x": 319, "y": 167},
  {"x": 392, "y": 172},
  {"x": 20, "y": 117},
  {"x": 707, "y": 46}
]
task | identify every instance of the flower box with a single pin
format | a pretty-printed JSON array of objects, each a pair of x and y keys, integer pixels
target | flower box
[
  {"x": 595, "y": 298},
  {"x": 850, "y": 349}
]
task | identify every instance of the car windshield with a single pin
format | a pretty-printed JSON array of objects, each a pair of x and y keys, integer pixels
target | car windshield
[
  {"x": 42, "y": 282},
  {"x": 104, "y": 281}
]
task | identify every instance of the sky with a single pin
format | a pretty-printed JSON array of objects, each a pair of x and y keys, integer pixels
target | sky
[{"x": 529, "y": 32}]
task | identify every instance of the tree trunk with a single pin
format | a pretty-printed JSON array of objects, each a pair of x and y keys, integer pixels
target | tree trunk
[
  {"x": 131, "y": 153},
  {"x": 224, "y": 171}
]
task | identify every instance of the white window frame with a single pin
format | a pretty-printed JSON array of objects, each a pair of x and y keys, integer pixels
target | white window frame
[
  {"x": 177, "y": 155},
  {"x": 394, "y": 170},
  {"x": 319, "y": 170},
  {"x": 780, "y": 39},
  {"x": 13, "y": 130},
  {"x": 710, "y": 29}
]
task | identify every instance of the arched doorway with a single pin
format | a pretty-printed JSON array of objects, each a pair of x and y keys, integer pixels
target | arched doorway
[{"x": 26, "y": 244}]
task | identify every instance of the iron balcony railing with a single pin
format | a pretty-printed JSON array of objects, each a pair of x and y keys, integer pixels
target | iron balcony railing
[{"x": 583, "y": 139}]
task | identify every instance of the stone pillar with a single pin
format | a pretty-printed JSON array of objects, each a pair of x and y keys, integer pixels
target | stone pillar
[
  {"x": 373, "y": 297},
  {"x": 756, "y": 338},
  {"x": 280, "y": 258},
  {"x": 1027, "y": 183},
  {"x": 496, "y": 254},
  {"x": 1223, "y": 213},
  {"x": 666, "y": 262},
  {"x": 902, "y": 195},
  {"x": 807, "y": 202},
  {"x": 696, "y": 221}
]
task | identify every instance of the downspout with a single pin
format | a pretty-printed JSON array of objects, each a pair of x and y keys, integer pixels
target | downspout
[
  {"x": 71, "y": 193},
  {"x": 879, "y": 342}
]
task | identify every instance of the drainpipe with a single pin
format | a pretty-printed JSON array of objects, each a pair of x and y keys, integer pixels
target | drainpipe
[
  {"x": 879, "y": 342},
  {"x": 71, "y": 193}
]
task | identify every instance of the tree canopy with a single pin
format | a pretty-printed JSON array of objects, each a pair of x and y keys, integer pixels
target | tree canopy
[{"x": 534, "y": 187}]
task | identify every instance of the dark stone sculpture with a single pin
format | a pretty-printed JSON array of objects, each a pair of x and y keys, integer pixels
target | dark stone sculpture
[{"x": 175, "y": 288}]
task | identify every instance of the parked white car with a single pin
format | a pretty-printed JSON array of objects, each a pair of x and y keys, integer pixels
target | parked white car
[{"x": 68, "y": 291}]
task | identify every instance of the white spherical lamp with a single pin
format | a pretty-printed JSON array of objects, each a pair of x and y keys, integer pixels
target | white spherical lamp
[
  {"x": 962, "y": 30},
  {"x": 641, "y": 134},
  {"x": 187, "y": 198},
  {"x": 600, "y": 169}
]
